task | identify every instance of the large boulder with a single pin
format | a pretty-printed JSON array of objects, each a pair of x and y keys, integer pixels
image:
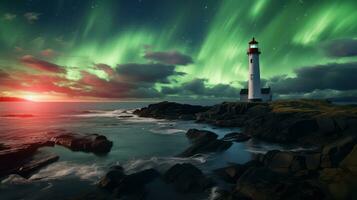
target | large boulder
[
  {"x": 112, "y": 179},
  {"x": 195, "y": 134},
  {"x": 134, "y": 184},
  {"x": 95, "y": 143},
  {"x": 15, "y": 157},
  {"x": 232, "y": 173},
  {"x": 187, "y": 178},
  {"x": 278, "y": 161},
  {"x": 204, "y": 142},
  {"x": 127, "y": 185},
  {"x": 171, "y": 110}
]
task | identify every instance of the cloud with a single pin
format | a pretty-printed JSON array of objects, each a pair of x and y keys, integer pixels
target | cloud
[
  {"x": 32, "y": 16},
  {"x": 170, "y": 58},
  {"x": 341, "y": 48},
  {"x": 334, "y": 76},
  {"x": 198, "y": 87},
  {"x": 42, "y": 65},
  {"x": 9, "y": 16},
  {"x": 154, "y": 72},
  {"x": 48, "y": 53}
]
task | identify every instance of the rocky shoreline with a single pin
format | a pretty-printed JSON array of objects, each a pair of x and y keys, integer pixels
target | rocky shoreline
[
  {"x": 26, "y": 159},
  {"x": 327, "y": 172},
  {"x": 303, "y": 122}
]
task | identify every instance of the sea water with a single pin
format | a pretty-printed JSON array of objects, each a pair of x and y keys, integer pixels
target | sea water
[{"x": 138, "y": 144}]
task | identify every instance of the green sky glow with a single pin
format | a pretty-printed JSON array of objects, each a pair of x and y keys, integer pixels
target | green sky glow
[{"x": 214, "y": 33}]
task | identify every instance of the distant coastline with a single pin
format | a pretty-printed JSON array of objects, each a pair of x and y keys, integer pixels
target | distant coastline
[{"x": 12, "y": 99}]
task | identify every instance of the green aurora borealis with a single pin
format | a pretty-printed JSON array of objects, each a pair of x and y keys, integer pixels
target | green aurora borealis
[{"x": 77, "y": 35}]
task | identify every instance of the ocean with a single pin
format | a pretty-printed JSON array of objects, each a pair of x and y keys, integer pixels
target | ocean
[{"x": 138, "y": 144}]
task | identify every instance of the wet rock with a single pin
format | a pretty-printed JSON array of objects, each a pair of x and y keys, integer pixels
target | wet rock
[
  {"x": 204, "y": 142},
  {"x": 170, "y": 110},
  {"x": 187, "y": 178},
  {"x": 98, "y": 144},
  {"x": 127, "y": 185},
  {"x": 134, "y": 184},
  {"x": 236, "y": 137},
  {"x": 232, "y": 173},
  {"x": 35, "y": 164},
  {"x": 112, "y": 179},
  {"x": 15, "y": 157},
  {"x": 195, "y": 135}
]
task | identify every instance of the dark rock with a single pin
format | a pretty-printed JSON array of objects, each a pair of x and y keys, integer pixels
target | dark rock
[
  {"x": 135, "y": 183},
  {"x": 170, "y": 110},
  {"x": 262, "y": 183},
  {"x": 187, "y": 178},
  {"x": 334, "y": 153},
  {"x": 312, "y": 161},
  {"x": 236, "y": 137},
  {"x": 278, "y": 161},
  {"x": 88, "y": 143},
  {"x": 340, "y": 183},
  {"x": 131, "y": 185},
  {"x": 35, "y": 164},
  {"x": 15, "y": 157},
  {"x": 112, "y": 179},
  {"x": 195, "y": 134},
  {"x": 232, "y": 173},
  {"x": 204, "y": 142}
]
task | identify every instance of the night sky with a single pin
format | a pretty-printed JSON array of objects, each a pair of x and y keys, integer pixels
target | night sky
[{"x": 166, "y": 49}]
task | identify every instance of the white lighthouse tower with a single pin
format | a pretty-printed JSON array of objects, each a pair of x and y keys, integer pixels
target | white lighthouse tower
[{"x": 254, "y": 88}]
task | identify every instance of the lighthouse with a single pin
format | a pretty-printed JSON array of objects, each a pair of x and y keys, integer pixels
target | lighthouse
[{"x": 254, "y": 93}]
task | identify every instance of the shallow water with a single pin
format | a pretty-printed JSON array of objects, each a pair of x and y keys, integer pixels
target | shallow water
[{"x": 139, "y": 143}]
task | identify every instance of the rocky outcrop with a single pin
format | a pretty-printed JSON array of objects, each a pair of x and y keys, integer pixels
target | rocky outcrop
[
  {"x": 123, "y": 185},
  {"x": 171, "y": 110},
  {"x": 204, "y": 142},
  {"x": 35, "y": 164},
  {"x": 324, "y": 173},
  {"x": 14, "y": 158},
  {"x": 94, "y": 143},
  {"x": 233, "y": 172},
  {"x": 307, "y": 122},
  {"x": 186, "y": 178}
]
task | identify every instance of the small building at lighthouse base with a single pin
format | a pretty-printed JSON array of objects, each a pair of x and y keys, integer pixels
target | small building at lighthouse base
[{"x": 265, "y": 94}]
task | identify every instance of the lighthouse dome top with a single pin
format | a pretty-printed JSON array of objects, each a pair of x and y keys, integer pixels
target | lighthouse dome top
[{"x": 253, "y": 41}]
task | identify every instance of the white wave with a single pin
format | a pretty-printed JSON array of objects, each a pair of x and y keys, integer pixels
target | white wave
[
  {"x": 64, "y": 169},
  {"x": 167, "y": 131},
  {"x": 136, "y": 119},
  {"x": 15, "y": 179},
  {"x": 102, "y": 113},
  {"x": 214, "y": 194},
  {"x": 160, "y": 163}
]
